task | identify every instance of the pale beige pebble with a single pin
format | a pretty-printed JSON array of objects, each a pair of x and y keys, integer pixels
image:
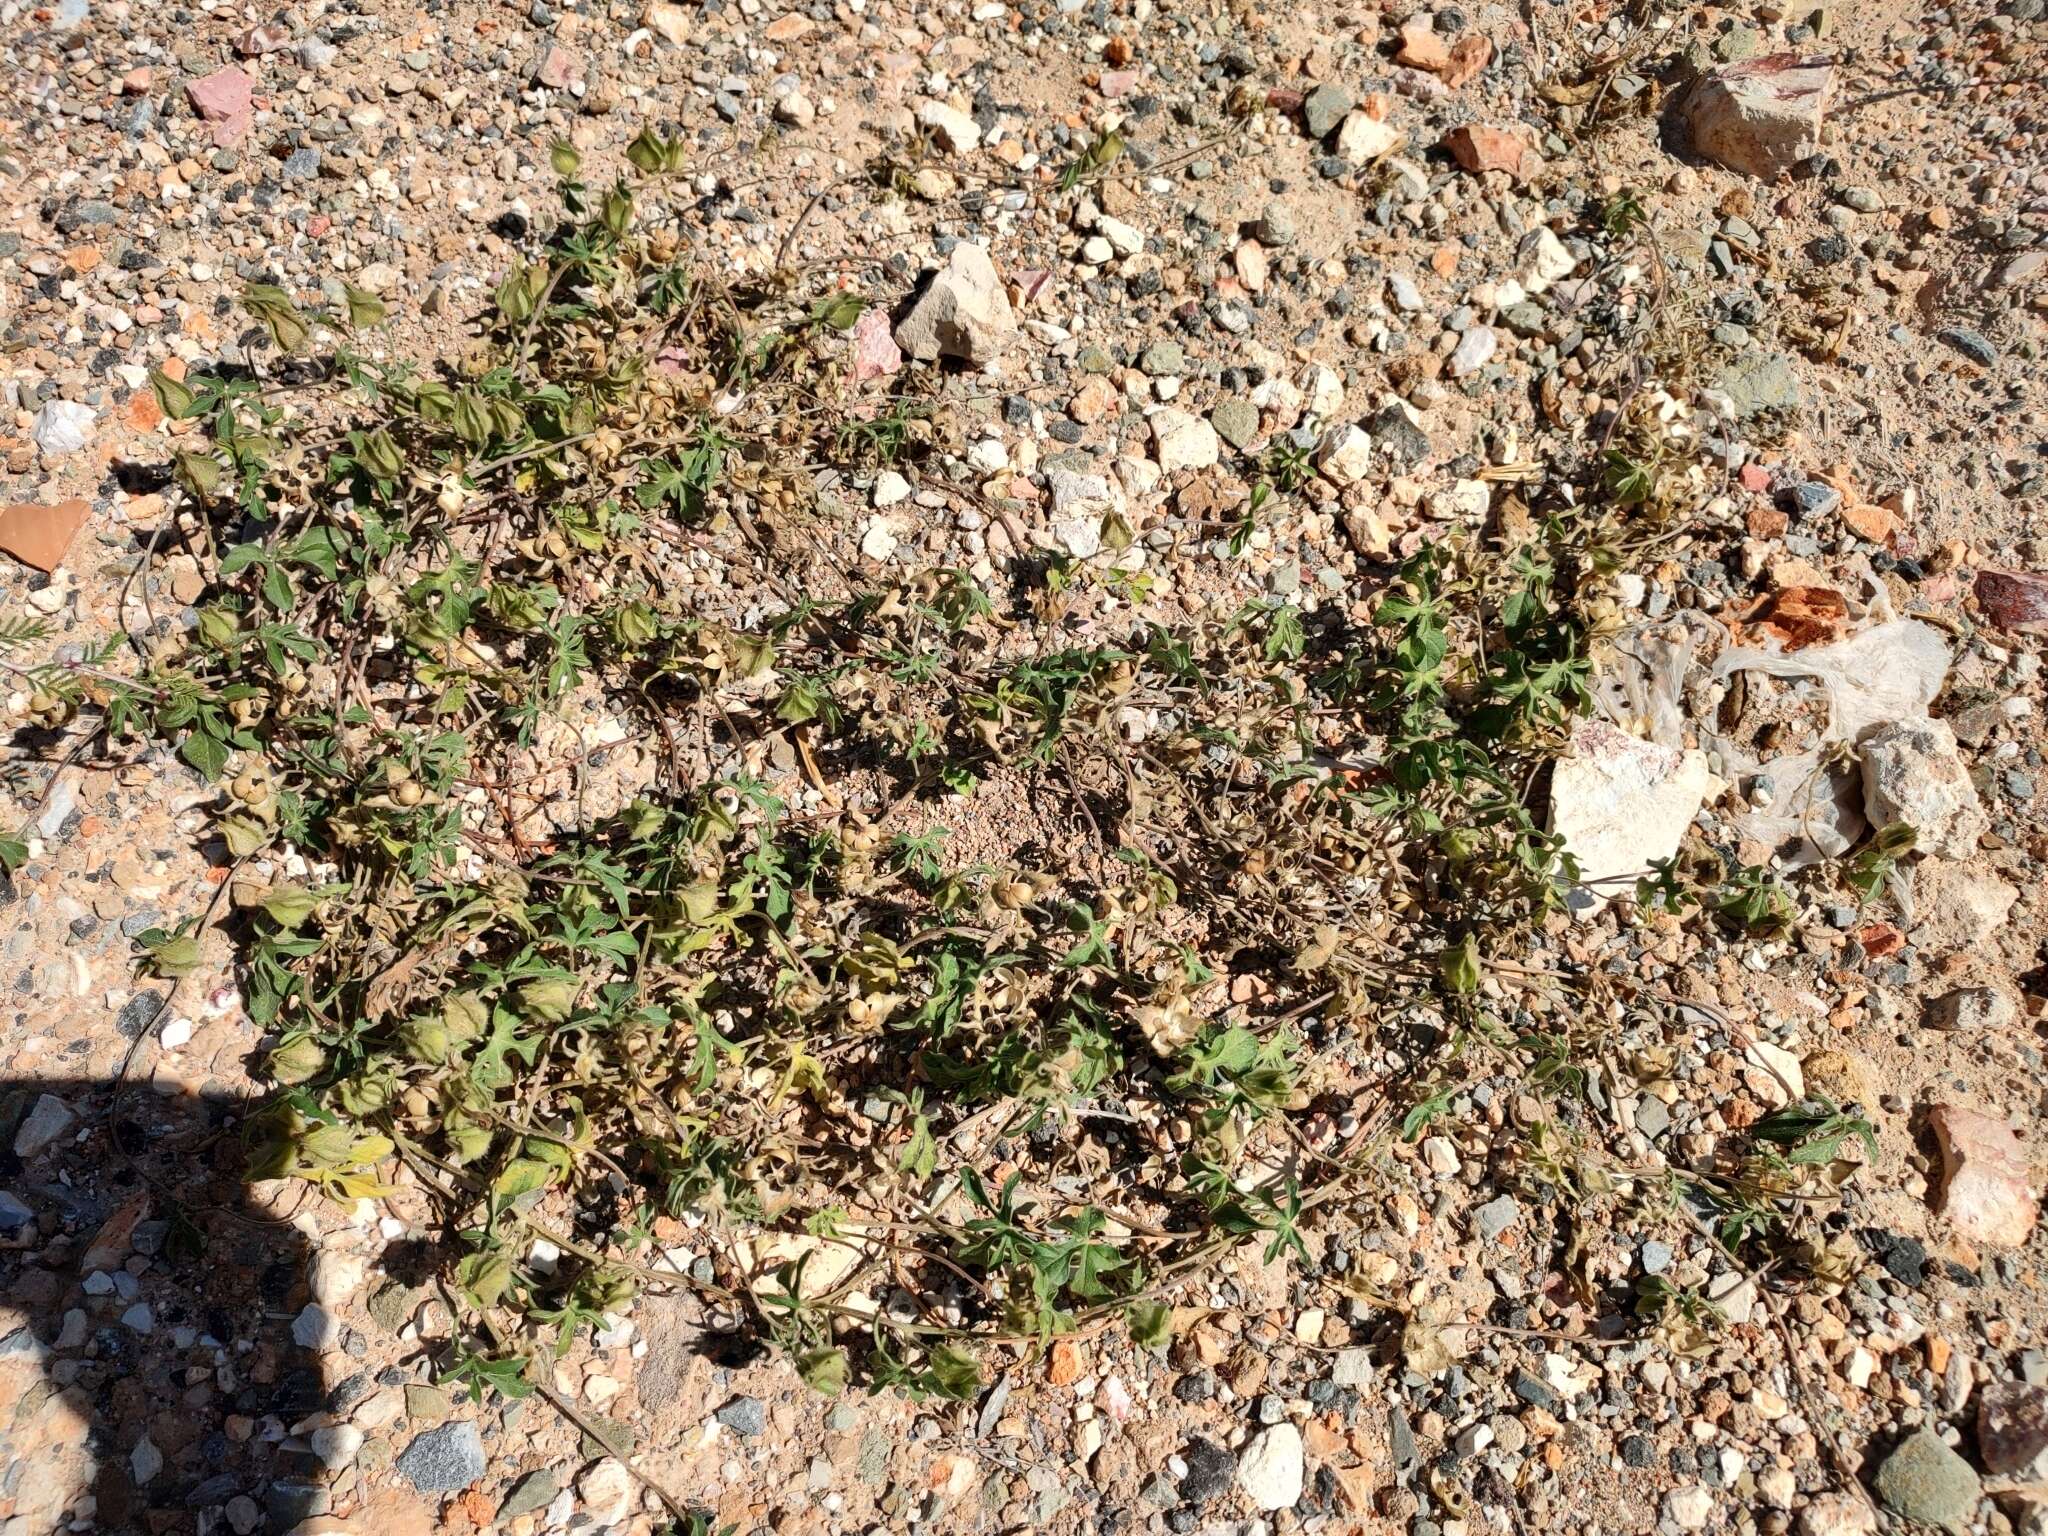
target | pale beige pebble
[
  {"x": 954, "y": 129},
  {"x": 1345, "y": 454},
  {"x": 606, "y": 1490}
]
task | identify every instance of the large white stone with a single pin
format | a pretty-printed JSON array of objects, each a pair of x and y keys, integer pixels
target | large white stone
[
  {"x": 1362, "y": 139},
  {"x": 1079, "y": 504},
  {"x": 1541, "y": 260},
  {"x": 1913, "y": 771},
  {"x": 62, "y": 427},
  {"x": 1124, "y": 239},
  {"x": 963, "y": 314},
  {"x": 1762, "y": 116},
  {"x": 954, "y": 129},
  {"x": 1618, "y": 802},
  {"x": 1474, "y": 351},
  {"x": 1270, "y": 1470},
  {"x": 1181, "y": 441}
]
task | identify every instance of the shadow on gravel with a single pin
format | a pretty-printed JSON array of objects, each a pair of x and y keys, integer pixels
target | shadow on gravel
[{"x": 149, "y": 1374}]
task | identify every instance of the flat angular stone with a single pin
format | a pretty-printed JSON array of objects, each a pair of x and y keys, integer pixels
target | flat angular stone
[
  {"x": 445, "y": 1458},
  {"x": 227, "y": 99},
  {"x": 953, "y": 129},
  {"x": 2015, "y": 600},
  {"x": 1762, "y": 116},
  {"x": 1364, "y": 138},
  {"x": 48, "y": 1118},
  {"x": 1181, "y": 441},
  {"x": 1618, "y": 803},
  {"x": 1987, "y": 1188}
]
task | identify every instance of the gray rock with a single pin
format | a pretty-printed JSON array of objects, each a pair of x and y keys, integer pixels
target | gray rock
[
  {"x": 138, "y": 1013},
  {"x": 744, "y": 1416},
  {"x": 289, "y": 1503},
  {"x": 1323, "y": 109},
  {"x": 1653, "y": 1117},
  {"x": 23, "y": 1345},
  {"x": 1164, "y": 360},
  {"x": 1924, "y": 1480},
  {"x": 1973, "y": 1009},
  {"x": 1405, "y": 444},
  {"x": 49, "y": 1118},
  {"x": 15, "y": 1218},
  {"x": 87, "y": 213},
  {"x": 1236, "y": 422},
  {"x": 1656, "y": 1257},
  {"x": 1211, "y": 1470},
  {"x": 1969, "y": 343},
  {"x": 1276, "y": 226},
  {"x": 315, "y": 1327},
  {"x": 1759, "y": 383},
  {"x": 1812, "y": 499},
  {"x": 445, "y": 1458},
  {"x": 533, "y": 1491},
  {"x": 1352, "y": 1368},
  {"x": 1496, "y": 1216}
]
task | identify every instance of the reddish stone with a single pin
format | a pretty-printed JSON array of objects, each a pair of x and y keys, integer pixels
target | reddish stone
[
  {"x": 39, "y": 535},
  {"x": 1880, "y": 939},
  {"x": 227, "y": 99},
  {"x": 1759, "y": 116},
  {"x": 142, "y": 412},
  {"x": 1118, "y": 83},
  {"x": 875, "y": 353},
  {"x": 1469, "y": 55},
  {"x": 1871, "y": 522},
  {"x": 2015, "y": 600},
  {"x": 1755, "y": 478},
  {"x": 1766, "y": 523},
  {"x": 1801, "y": 616},
  {"x": 1986, "y": 1186},
  {"x": 558, "y": 69},
  {"x": 266, "y": 38},
  {"x": 1480, "y": 148},
  {"x": 318, "y": 225}
]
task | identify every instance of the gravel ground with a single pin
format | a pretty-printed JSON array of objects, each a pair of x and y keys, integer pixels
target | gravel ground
[{"x": 1466, "y": 1349}]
